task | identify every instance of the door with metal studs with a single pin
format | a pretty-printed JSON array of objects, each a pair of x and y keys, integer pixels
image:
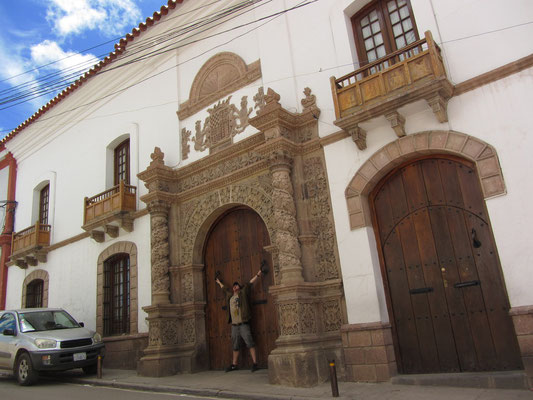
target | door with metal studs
[{"x": 446, "y": 293}]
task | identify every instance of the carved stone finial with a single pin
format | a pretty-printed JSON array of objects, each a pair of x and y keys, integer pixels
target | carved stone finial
[
  {"x": 259, "y": 99},
  {"x": 310, "y": 99},
  {"x": 272, "y": 97},
  {"x": 359, "y": 137},
  {"x": 157, "y": 158}
]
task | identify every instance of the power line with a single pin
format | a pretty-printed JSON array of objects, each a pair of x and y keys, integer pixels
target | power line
[
  {"x": 98, "y": 45},
  {"x": 34, "y": 89},
  {"x": 271, "y": 16}
]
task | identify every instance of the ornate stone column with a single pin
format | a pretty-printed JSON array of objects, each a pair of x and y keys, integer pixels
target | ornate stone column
[
  {"x": 161, "y": 357},
  {"x": 160, "y": 251},
  {"x": 309, "y": 313},
  {"x": 286, "y": 235}
]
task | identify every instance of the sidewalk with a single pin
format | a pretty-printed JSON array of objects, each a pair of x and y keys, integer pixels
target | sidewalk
[{"x": 243, "y": 384}]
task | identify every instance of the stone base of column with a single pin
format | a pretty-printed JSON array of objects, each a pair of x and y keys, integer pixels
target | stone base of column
[
  {"x": 160, "y": 357},
  {"x": 158, "y": 364},
  {"x": 523, "y": 325},
  {"x": 303, "y": 365},
  {"x": 368, "y": 352}
]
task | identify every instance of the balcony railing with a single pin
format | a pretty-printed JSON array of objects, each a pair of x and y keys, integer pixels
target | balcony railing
[
  {"x": 117, "y": 199},
  {"x": 37, "y": 235},
  {"x": 381, "y": 80}
]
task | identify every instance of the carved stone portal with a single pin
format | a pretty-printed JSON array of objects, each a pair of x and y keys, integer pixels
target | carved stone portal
[{"x": 280, "y": 174}]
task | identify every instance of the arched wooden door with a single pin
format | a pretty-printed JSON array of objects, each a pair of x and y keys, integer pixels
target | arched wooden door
[
  {"x": 235, "y": 247},
  {"x": 446, "y": 295}
]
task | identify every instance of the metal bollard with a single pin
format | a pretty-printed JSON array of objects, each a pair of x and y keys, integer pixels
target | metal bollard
[
  {"x": 333, "y": 379},
  {"x": 99, "y": 367}
]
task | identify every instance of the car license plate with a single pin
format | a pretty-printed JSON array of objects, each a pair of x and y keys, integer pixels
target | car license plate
[{"x": 80, "y": 356}]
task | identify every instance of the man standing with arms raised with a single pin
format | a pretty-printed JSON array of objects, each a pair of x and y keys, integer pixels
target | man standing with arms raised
[{"x": 239, "y": 316}]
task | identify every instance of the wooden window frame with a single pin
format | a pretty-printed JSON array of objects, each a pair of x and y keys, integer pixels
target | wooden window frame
[
  {"x": 44, "y": 204},
  {"x": 116, "y": 295},
  {"x": 386, "y": 28},
  {"x": 34, "y": 293},
  {"x": 124, "y": 146}
]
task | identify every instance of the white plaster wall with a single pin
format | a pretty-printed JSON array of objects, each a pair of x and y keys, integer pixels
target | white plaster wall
[
  {"x": 299, "y": 49},
  {"x": 72, "y": 272}
]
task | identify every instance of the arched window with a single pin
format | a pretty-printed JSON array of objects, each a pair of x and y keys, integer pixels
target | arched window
[
  {"x": 116, "y": 301},
  {"x": 34, "y": 293},
  {"x": 122, "y": 163}
]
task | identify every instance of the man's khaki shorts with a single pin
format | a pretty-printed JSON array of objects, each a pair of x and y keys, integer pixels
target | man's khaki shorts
[{"x": 238, "y": 331}]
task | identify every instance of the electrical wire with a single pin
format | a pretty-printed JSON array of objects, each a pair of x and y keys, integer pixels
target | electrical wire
[
  {"x": 33, "y": 89},
  {"x": 156, "y": 53}
]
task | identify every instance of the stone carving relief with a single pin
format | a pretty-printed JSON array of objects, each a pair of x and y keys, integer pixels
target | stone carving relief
[
  {"x": 225, "y": 121},
  {"x": 188, "y": 290},
  {"x": 189, "y": 331},
  {"x": 297, "y": 319},
  {"x": 221, "y": 75},
  {"x": 185, "y": 148},
  {"x": 332, "y": 315},
  {"x": 160, "y": 246},
  {"x": 217, "y": 171},
  {"x": 255, "y": 196},
  {"x": 318, "y": 203}
]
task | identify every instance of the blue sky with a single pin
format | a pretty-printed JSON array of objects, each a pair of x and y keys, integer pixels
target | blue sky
[{"x": 43, "y": 41}]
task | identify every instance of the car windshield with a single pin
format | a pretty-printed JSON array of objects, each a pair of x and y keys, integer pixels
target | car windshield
[{"x": 33, "y": 321}]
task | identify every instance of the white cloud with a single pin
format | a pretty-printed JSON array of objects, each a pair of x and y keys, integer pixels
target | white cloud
[
  {"x": 49, "y": 51},
  {"x": 111, "y": 17}
]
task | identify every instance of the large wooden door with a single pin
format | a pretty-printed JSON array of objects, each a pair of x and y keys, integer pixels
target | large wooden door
[
  {"x": 447, "y": 299},
  {"x": 235, "y": 248}
]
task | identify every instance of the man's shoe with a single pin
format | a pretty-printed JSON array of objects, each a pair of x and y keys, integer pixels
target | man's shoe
[
  {"x": 254, "y": 368},
  {"x": 231, "y": 368}
]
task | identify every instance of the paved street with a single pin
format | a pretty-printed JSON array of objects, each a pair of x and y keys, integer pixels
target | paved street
[
  {"x": 235, "y": 385},
  {"x": 53, "y": 390}
]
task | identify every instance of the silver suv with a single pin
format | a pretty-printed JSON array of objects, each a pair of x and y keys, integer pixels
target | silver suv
[{"x": 46, "y": 339}]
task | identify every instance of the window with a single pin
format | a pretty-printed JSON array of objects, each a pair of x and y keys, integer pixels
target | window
[
  {"x": 7, "y": 321},
  {"x": 116, "y": 304},
  {"x": 44, "y": 204},
  {"x": 383, "y": 27},
  {"x": 122, "y": 163},
  {"x": 34, "y": 294}
]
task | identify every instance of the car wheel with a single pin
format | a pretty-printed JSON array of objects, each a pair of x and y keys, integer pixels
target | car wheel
[
  {"x": 24, "y": 371},
  {"x": 90, "y": 369}
]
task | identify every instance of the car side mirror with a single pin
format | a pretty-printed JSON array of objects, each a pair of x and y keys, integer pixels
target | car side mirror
[
  {"x": 82, "y": 324},
  {"x": 9, "y": 332}
]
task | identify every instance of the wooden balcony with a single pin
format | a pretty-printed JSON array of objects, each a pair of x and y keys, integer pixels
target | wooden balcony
[
  {"x": 109, "y": 210},
  {"x": 29, "y": 246},
  {"x": 415, "y": 72}
]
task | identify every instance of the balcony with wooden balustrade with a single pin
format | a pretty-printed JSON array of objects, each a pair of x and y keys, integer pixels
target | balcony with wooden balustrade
[
  {"x": 29, "y": 246},
  {"x": 108, "y": 211},
  {"x": 380, "y": 88}
]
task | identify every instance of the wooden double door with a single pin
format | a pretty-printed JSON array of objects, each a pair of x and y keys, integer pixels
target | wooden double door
[
  {"x": 446, "y": 294},
  {"x": 235, "y": 249}
]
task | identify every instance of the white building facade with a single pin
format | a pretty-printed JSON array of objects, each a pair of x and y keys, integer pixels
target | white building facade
[{"x": 386, "y": 204}]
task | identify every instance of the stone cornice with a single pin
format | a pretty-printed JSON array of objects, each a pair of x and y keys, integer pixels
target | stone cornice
[
  {"x": 311, "y": 290},
  {"x": 274, "y": 115},
  {"x": 494, "y": 75},
  {"x": 158, "y": 195}
]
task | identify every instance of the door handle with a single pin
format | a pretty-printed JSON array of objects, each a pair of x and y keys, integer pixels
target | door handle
[
  {"x": 466, "y": 284},
  {"x": 421, "y": 290}
]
